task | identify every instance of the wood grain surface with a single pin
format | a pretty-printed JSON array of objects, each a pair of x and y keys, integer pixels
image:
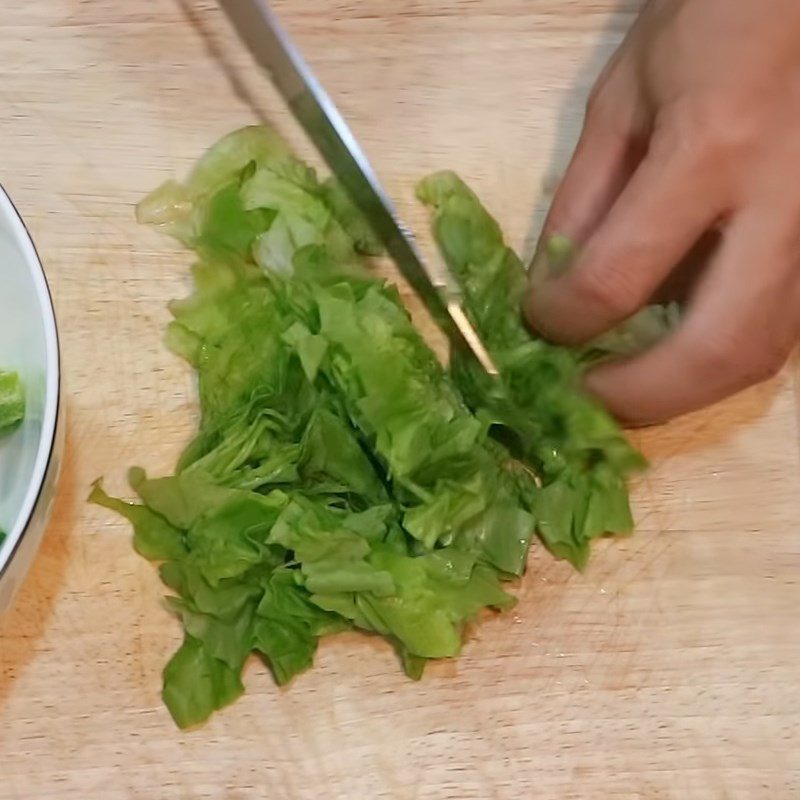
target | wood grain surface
[{"x": 668, "y": 670}]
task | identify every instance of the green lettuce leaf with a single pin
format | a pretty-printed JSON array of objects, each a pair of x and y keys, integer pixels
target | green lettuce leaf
[
  {"x": 12, "y": 402},
  {"x": 196, "y": 684},
  {"x": 579, "y": 454},
  {"x": 153, "y": 537}
]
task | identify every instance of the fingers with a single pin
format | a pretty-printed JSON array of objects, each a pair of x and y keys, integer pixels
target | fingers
[
  {"x": 662, "y": 212},
  {"x": 683, "y": 279},
  {"x": 741, "y": 328},
  {"x": 604, "y": 159}
]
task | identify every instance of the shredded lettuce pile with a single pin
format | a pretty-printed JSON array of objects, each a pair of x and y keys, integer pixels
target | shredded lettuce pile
[{"x": 341, "y": 477}]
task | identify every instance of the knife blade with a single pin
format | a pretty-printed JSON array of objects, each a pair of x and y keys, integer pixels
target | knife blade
[{"x": 260, "y": 30}]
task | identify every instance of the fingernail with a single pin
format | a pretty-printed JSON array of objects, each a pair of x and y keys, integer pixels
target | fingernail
[
  {"x": 561, "y": 251},
  {"x": 553, "y": 257}
]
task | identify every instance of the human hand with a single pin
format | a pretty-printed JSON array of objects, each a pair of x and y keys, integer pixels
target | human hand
[{"x": 693, "y": 127}]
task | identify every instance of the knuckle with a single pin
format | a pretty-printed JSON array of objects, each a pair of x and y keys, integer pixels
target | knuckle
[
  {"x": 597, "y": 102},
  {"x": 708, "y": 131},
  {"x": 773, "y": 359},
  {"x": 613, "y": 289},
  {"x": 748, "y": 358},
  {"x": 762, "y": 366},
  {"x": 605, "y": 100}
]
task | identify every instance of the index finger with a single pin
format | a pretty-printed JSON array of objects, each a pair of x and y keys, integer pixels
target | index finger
[
  {"x": 672, "y": 199},
  {"x": 741, "y": 327}
]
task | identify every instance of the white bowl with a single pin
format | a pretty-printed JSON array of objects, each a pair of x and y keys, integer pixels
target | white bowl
[{"x": 31, "y": 456}]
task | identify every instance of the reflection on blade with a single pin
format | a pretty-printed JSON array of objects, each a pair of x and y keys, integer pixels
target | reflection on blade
[{"x": 471, "y": 337}]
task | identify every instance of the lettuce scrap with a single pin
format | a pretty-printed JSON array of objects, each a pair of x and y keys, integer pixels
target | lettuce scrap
[
  {"x": 12, "y": 409},
  {"x": 12, "y": 402},
  {"x": 341, "y": 477}
]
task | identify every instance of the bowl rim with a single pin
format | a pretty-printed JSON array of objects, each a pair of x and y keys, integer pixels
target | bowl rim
[{"x": 47, "y": 440}]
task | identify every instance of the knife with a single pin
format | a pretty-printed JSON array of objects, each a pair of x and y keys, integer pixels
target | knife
[{"x": 269, "y": 44}]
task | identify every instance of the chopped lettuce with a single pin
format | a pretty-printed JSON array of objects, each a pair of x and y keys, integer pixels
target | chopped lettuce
[
  {"x": 341, "y": 477},
  {"x": 578, "y": 452},
  {"x": 12, "y": 402}
]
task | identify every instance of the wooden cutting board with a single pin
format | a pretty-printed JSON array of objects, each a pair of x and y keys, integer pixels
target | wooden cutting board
[{"x": 668, "y": 670}]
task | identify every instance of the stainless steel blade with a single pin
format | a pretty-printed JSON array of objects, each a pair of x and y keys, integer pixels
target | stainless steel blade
[{"x": 260, "y": 30}]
